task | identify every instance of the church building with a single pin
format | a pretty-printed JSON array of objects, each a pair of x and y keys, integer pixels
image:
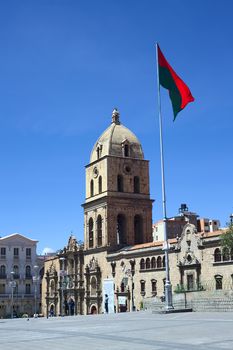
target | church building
[{"x": 119, "y": 267}]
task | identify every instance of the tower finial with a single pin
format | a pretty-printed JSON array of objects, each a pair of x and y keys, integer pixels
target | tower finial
[{"x": 115, "y": 116}]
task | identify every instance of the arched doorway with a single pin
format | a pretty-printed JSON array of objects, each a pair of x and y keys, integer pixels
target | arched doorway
[
  {"x": 51, "y": 310},
  {"x": 93, "y": 310}
]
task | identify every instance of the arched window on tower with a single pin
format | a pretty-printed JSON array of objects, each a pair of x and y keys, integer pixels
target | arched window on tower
[
  {"x": 120, "y": 184},
  {"x": 121, "y": 229},
  {"x": 100, "y": 184},
  {"x": 136, "y": 184},
  {"x": 138, "y": 229},
  {"x": 99, "y": 230},
  {"x": 92, "y": 188},
  {"x": 91, "y": 236}
]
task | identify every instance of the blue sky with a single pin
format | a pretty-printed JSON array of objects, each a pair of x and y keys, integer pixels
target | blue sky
[{"x": 64, "y": 66}]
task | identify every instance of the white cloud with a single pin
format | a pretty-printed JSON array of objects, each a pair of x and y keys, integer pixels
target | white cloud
[{"x": 47, "y": 251}]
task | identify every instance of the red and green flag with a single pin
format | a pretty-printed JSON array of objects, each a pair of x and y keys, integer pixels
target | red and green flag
[{"x": 179, "y": 92}]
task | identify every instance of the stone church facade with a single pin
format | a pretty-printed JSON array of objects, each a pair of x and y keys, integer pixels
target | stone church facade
[{"x": 118, "y": 245}]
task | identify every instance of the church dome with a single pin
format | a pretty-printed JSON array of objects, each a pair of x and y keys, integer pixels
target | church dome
[{"x": 117, "y": 140}]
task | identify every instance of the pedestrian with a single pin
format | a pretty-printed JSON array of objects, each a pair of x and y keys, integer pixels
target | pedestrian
[{"x": 106, "y": 303}]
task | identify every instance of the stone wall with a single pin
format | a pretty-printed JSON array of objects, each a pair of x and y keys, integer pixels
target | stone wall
[{"x": 221, "y": 300}]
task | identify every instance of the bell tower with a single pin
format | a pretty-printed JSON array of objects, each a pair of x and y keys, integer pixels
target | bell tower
[{"x": 117, "y": 208}]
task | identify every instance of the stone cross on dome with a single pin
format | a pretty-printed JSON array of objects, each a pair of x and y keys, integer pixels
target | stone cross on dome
[{"x": 115, "y": 116}]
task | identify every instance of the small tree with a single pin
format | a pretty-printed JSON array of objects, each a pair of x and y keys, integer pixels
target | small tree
[{"x": 227, "y": 237}]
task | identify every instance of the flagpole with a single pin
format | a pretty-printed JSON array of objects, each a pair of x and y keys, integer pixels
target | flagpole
[{"x": 168, "y": 287}]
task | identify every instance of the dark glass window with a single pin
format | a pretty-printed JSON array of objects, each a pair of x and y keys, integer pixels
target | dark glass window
[
  {"x": 92, "y": 188},
  {"x": 136, "y": 184},
  {"x": 217, "y": 255},
  {"x": 99, "y": 230},
  {"x": 142, "y": 264},
  {"x": 91, "y": 237},
  {"x": 120, "y": 184},
  {"x": 100, "y": 184}
]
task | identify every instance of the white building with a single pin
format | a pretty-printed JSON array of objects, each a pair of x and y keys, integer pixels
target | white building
[{"x": 20, "y": 271}]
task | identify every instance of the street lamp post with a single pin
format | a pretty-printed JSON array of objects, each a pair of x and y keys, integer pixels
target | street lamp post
[
  {"x": 12, "y": 285},
  {"x": 62, "y": 275},
  {"x": 35, "y": 280},
  {"x": 130, "y": 273}
]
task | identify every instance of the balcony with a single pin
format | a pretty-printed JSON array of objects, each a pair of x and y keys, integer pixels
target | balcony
[
  {"x": 16, "y": 276},
  {"x": 5, "y": 295},
  {"x": 3, "y": 276}
]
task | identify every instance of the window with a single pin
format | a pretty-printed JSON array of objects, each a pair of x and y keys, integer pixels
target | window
[
  {"x": 121, "y": 229},
  {"x": 91, "y": 243},
  {"x": 28, "y": 252},
  {"x": 16, "y": 270},
  {"x": 154, "y": 287},
  {"x": 143, "y": 287},
  {"x": 218, "y": 282},
  {"x": 159, "y": 262},
  {"x": 16, "y": 252},
  {"x": 99, "y": 230},
  {"x": 28, "y": 271},
  {"x": 122, "y": 287},
  {"x": 98, "y": 152},
  {"x": 164, "y": 261},
  {"x": 148, "y": 263},
  {"x": 136, "y": 184},
  {"x": 2, "y": 271},
  {"x": 100, "y": 184},
  {"x": 2, "y": 288},
  {"x": 142, "y": 264},
  {"x": 120, "y": 184},
  {"x": 92, "y": 188},
  {"x": 153, "y": 263},
  {"x": 217, "y": 255},
  {"x": 27, "y": 288},
  {"x": 126, "y": 150},
  {"x": 3, "y": 251},
  {"x": 190, "y": 282},
  {"x": 138, "y": 229}
]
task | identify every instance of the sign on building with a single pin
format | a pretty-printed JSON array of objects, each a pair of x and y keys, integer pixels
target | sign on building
[{"x": 108, "y": 296}]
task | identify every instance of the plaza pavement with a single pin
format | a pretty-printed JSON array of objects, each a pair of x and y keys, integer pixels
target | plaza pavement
[{"x": 139, "y": 330}]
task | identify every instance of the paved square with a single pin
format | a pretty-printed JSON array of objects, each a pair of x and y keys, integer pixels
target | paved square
[{"x": 139, "y": 330}]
